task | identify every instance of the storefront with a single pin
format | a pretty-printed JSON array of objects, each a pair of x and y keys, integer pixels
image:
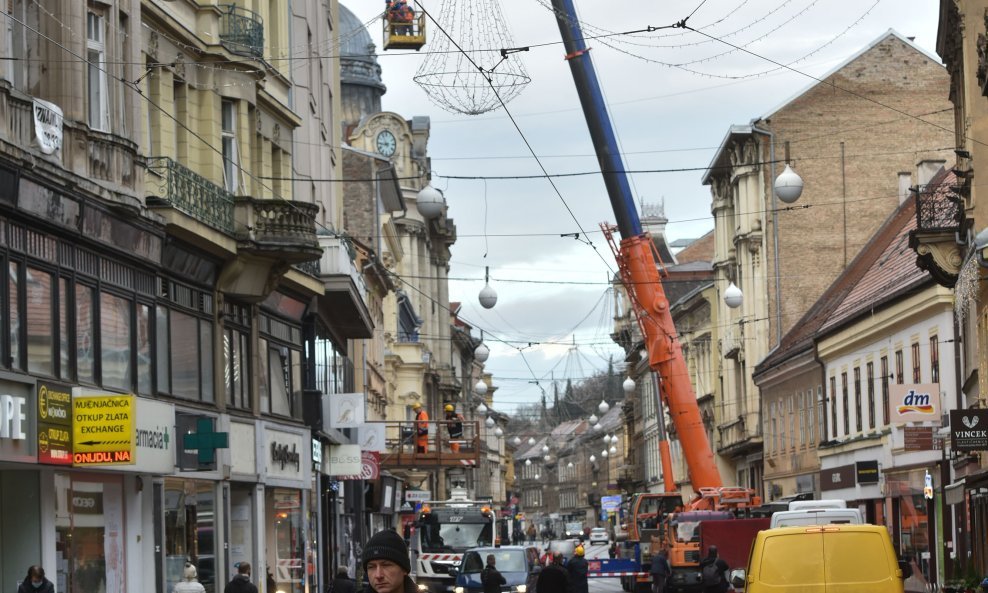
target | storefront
[
  {"x": 20, "y": 488},
  {"x": 287, "y": 476}
]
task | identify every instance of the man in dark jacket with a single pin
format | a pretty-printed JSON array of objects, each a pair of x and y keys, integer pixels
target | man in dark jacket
[
  {"x": 577, "y": 569},
  {"x": 490, "y": 578},
  {"x": 714, "y": 572},
  {"x": 661, "y": 570},
  {"x": 342, "y": 583},
  {"x": 35, "y": 582},
  {"x": 553, "y": 578},
  {"x": 240, "y": 583},
  {"x": 386, "y": 564}
]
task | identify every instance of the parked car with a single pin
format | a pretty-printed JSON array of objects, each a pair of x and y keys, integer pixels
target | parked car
[
  {"x": 518, "y": 564},
  {"x": 598, "y": 535}
]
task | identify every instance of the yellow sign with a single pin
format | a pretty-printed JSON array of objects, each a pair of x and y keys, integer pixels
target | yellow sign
[{"x": 103, "y": 429}]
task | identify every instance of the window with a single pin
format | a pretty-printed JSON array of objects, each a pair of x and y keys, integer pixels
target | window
[
  {"x": 833, "y": 407},
  {"x": 885, "y": 389},
  {"x": 857, "y": 399},
  {"x": 819, "y": 413},
  {"x": 900, "y": 372},
  {"x": 847, "y": 409},
  {"x": 282, "y": 355},
  {"x": 774, "y": 435},
  {"x": 802, "y": 419},
  {"x": 39, "y": 302},
  {"x": 231, "y": 156},
  {"x": 85, "y": 330},
  {"x": 792, "y": 422},
  {"x": 870, "y": 371},
  {"x": 184, "y": 339},
  {"x": 236, "y": 358},
  {"x": 917, "y": 378},
  {"x": 99, "y": 105},
  {"x": 935, "y": 358}
]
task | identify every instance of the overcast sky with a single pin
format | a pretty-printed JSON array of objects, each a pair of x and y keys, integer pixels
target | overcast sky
[{"x": 666, "y": 117}]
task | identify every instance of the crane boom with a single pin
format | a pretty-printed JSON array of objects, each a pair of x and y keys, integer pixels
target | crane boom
[{"x": 637, "y": 264}]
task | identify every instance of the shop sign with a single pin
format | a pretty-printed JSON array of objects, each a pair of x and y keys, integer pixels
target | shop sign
[
  {"x": 344, "y": 410},
  {"x": 610, "y": 504},
  {"x": 285, "y": 454},
  {"x": 969, "y": 430},
  {"x": 48, "y": 126},
  {"x": 103, "y": 429},
  {"x": 418, "y": 495},
  {"x": 286, "y": 499},
  {"x": 867, "y": 472},
  {"x": 154, "y": 438},
  {"x": 200, "y": 441},
  {"x": 837, "y": 477},
  {"x": 87, "y": 503},
  {"x": 54, "y": 423},
  {"x": 371, "y": 437},
  {"x": 316, "y": 455},
  {"x": 18, "y": 436},
  {"x": 344, "y": 460},
  {"x": 370, "y": 467},
  {"x": 914, "y": 403}
]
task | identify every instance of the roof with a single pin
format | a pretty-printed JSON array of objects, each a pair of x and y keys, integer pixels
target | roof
[
  {"x": 701, "y": 249},
  {"x": 880, "y": 272},
  {"x": 720, "y": 155}
]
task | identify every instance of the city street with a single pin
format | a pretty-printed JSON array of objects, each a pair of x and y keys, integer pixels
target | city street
[{"x": 603, "y": 585}]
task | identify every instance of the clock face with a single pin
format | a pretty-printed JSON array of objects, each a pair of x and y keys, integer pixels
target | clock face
[{"x": 386, "y": 143}]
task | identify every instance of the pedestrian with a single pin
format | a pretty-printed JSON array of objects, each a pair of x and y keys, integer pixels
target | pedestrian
[
  {"x": 661, "y": 570},
  {"x": 612, "y": 550},
  {"x": 386, "y": 564},
  {"x": 577, "y": 569},
  {"x": 35, "y": 581},
  {"x": 490, "y": 578},
  {"x": 454, "y": 425},
  {"x": 190, "y": 581},
  {"x": 553, "y": 578},
  {"x": 531, "y": 533},
  {"x": 240, "y": 583},
  {"x": 713, "y": 571},
  {"x": 342, "y": 583},
  {"x": 421, "y": 428}
]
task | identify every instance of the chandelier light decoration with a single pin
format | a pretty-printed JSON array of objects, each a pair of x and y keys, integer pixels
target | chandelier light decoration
[{"x": 475, "y": 80}]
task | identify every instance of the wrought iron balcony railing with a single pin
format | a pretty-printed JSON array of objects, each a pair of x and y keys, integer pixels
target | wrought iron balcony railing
[
  {"x": 241, "y": 31},
  {"x": 939, "y": 209},
  {"x": 191, "y": 193}
]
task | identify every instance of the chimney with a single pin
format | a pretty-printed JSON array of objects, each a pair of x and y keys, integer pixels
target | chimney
[
  {"x": 927, "y": 169},
  {"x": 905, "y": 182}
]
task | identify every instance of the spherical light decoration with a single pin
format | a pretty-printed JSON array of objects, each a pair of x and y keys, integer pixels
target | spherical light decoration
[
  {"x": 613, "y": 449},
  {"x": 489, "y": 422},
  {"x": 516, "y": 441},
  {"x": 733, "y": 296},
  {"x": 531, "y": 440},
  {"x": 429, "y": 202},
  {"x": 488, "y": 297},
  {"x": 480, "y": 388},
  {"x": 603, "y": 453},
  {"x": 593, "y": 459},
  {"x": 481, "y": 409},
  {"x": 545, "y": 449},
  {"x": 481, "y": 353},
  {"x": 528, "y": 462},
  {"x": 537, "y": 476},
  {"x": 547, "y": 458},
  {"x": 598, "y": 426},
  {"x": 569, "y": 465},
  {"x": 628, "y": 385},
  {"x": 614, "y": 439},
  {"x": 607, "y": 439},
  {"x": 498, "y": 432},
  {"x": 788, "y": 185},
  {"x": 592, "y": 419},
  {"x": 603, "y": 406}
]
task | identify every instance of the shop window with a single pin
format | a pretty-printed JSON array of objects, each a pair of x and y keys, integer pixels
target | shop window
[
  {"x": 286, "y": 553},
  {"x": 115, "y": 344},
  {"x": 90, "y": 535},
  {"x": 190, "y": 520}
]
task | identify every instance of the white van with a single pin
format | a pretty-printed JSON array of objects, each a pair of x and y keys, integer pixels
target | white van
[{"x": 816, "y": 512}]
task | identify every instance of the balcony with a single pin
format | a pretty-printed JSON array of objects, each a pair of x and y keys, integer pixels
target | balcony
[
  {"x": 279, "y": 228},
  {"x": 401, "y": 451},
  {"x": 345, "y": 295},
  {"x": 241, "y": 31},
  {"x": 940, "y": 221},
  {"x": 173, "y": 185},
  {"x": 736, "y": 438}
]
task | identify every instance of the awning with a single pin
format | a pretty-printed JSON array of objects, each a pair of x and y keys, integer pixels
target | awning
[{"x": 954, "y": 493}]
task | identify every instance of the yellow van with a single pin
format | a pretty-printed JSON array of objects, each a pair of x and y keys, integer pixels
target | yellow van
[{"x": 822, "y": 559}]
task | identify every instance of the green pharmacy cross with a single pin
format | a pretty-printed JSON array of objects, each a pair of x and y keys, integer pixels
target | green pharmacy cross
[{"x": 206, "y": 440}]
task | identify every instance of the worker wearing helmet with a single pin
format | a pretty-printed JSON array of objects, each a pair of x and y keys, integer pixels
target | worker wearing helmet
[
  {"x": 577, "y": 568},
  {"x": 454, "y": 424},
  {"x": 400, "y": 16},
  {"x": 421, "y": 428}
]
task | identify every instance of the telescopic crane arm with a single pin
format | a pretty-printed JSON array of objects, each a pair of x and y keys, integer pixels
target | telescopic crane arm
[{"x": 639, "y": 269}]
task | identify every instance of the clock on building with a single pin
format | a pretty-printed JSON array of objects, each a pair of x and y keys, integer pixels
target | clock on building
[{"x": 386, "y": 143}]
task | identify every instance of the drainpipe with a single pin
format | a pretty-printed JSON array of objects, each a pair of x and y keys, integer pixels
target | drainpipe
[{"x": 775, "y": 231}]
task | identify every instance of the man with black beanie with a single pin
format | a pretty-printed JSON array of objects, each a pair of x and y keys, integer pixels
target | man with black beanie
[{"x": 386, "y": 564}]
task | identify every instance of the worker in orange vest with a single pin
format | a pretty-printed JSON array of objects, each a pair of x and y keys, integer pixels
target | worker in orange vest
[
  {"x": 421, "y": 428},
  {"x": 454, "y": 424}
]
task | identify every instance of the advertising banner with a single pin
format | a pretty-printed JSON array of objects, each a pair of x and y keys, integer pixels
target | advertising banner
[
  {"x": 54, "y": 423},
  {"x": 969, "y": 430},
  {"x": 103, "y": 429},
  {"x": 914, "y": 403}
]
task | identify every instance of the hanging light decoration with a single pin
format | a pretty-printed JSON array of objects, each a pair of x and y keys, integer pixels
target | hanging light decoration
[
  {"x": 498, "y": 432},
  {"x": 570, "y": 465},
  {"x": 547, "y": 458},
  {"x": 481, "y": 409},
  {"x": 528, "y": 462},
  {"x": 592, "y": 419},
  {"x": 733, "y": 296},
  {"x": 480, "y": 388},
  {"x": 481, "y": 353},
  {"x": 607, "y": 439},
  {"x": 788, "y": 185},
  {"x": 614, "y": 440},
  {"x": 545, "y": 449},
  {"x": 537, "y": 476},
  {"x": 593, "y": 459},
  {"x": 628, "y": 385},
  {"x": 464, "y": 76},
  {"x": 429, "y": 202},
  {"x": 603, "y": 406},
  {"x": 603, "y": 453},
  {"x": 489, "y": 422},
  {"x": 516, "y": 440},
  {"x": 487, "y": 296},
  {"x": 531, "y": 440},
  {"x": 598, "y": 426},
  {"x": 613, "y": 449}
]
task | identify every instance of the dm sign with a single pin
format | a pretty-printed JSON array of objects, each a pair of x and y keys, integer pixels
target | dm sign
[
  {"x": 103, "y": 429},
  {"x": 914, "y": 403},
  {"x": 969, "y": 430}
]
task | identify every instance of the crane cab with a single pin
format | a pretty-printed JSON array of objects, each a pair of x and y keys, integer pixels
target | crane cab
[{"x": 403, "y": 27}]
